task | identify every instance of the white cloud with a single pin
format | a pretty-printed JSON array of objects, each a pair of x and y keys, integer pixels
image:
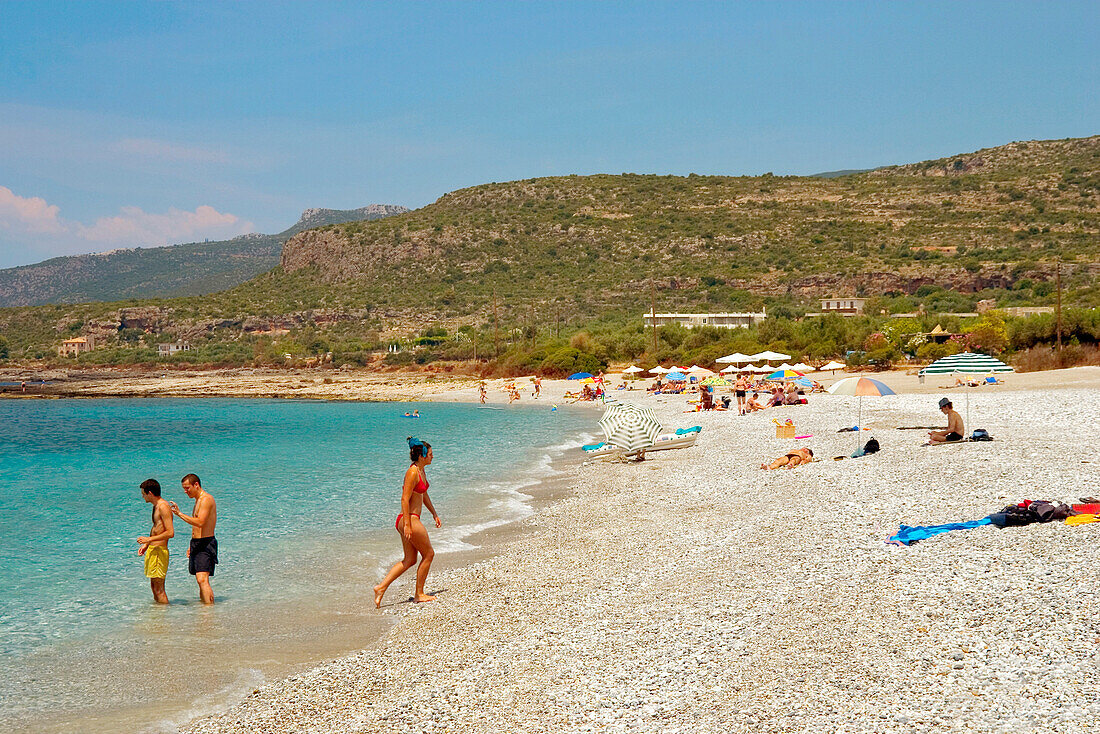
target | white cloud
[
  {"x": 27, "y": 215},
  {"x": 135, "y": 227},
  {"x": 38, "y": 228}
]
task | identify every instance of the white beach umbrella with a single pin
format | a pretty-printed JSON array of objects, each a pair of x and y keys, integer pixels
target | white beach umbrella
[
  {"x": 802, "y": 367},
  {"x": 762, "y": 369},
  {"x": 674, "y": 368},
  {"x": 785, "y": 366},
  {"x": 833, "y": 366},
  {"x": 700, "y": 371},
  {"x": 731, "y": 368},
  {"x": 659, "y": 370},
  {"x": 735, "y": 358},
  {"x": 768, "y": 356},
  {"x": 632, "y": 369}
]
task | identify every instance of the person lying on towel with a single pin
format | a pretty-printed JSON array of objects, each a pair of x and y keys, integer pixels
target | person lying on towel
[{"x": 791, "y": 459}]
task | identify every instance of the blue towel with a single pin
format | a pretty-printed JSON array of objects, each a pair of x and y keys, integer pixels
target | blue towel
[
  {"x": 693, "y": 429},
  {"x": 908, "y": 535},
  {"x": 594, "y": 446}
]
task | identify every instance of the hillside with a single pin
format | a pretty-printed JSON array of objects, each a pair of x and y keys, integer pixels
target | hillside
[
  {"x": 538, "y": 253},
  {"x": 176, "y": 270},
  {"x": 989, "y": 220}
]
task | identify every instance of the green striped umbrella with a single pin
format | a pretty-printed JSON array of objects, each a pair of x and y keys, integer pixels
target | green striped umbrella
[
  {"x": 969, "y": 363},
  {"x": 630, "y": 427}
]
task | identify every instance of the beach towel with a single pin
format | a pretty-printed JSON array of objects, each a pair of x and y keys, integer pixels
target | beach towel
[
  {"x": 907, "y": 535},
  {"x": 1082, "y": 519}
]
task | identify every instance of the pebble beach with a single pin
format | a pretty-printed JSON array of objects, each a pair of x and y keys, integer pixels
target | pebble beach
[{"x": 695, "y": 592}]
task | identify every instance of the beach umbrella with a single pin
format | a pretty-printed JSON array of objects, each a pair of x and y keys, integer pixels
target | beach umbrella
[
  {"x": 674, "y": 368},
  {"x": 735, "y": 358},
  {"x": 783, "y": 374},
  {"x": 802, "y": 367},
  {"x": 630, "y": 427},
  {"x": 785, "y": 366},
  {"x": 833, "y": 366},
  {"x": 632, "y": 369},
  {"x": 731, "y": 368},
  {"x": 716, "y": 381},
  {"x": 588, "y": 380},
  {"x": 658, "y": 370},
  {"x": 803, "y": 382},
  {"x": 970, "y": 363},
  {"x": 677, "y": 376},
  {"x": 861, "y": 386},
  {"x": 967, "y": 363},
  {"x": 579, "y": 375},
  {"x": 700, "y": 371},
  {"x": 769, "y": 356},
  {"x": 761, "y": 369}
]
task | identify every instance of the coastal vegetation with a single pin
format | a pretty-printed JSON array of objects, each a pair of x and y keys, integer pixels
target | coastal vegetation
[{"x": 554, "y": 274}]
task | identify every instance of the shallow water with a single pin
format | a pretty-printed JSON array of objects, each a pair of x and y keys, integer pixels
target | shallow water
[{"x": 307, "y": 494}]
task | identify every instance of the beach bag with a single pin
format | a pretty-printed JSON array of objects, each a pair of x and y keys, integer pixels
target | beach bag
[
  {"x": 1014, "y": 516},
  {"x": 871, "y": 447},
  {"x": 980, "y": 434}
]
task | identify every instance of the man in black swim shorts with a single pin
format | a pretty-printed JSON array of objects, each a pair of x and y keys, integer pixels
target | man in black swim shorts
[
  {"x": 202, "y": 556},
  {"x": 954, "y": 430}
]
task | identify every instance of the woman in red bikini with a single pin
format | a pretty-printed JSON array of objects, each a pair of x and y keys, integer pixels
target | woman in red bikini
[{"x": 414, "y": 536}]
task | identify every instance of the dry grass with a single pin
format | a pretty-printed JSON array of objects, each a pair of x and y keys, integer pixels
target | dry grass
[{"x": 1048, "y": 358}]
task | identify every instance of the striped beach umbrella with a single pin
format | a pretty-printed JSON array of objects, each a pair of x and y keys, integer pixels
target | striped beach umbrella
[
  {"x": 784, "y": 375},
  {"x": 970, "y": 363},
  {"x": 716, "y": 381},
  {"x": 967, "y": 363},
  {"x": 630, "y": 427}
]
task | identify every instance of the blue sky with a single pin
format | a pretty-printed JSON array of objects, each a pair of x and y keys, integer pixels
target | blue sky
[{"x": 141, "y": 123}]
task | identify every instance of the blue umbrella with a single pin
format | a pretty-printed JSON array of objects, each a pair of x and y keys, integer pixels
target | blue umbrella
[
  {"x": 579, "y": 375},
  {"x": 677, "y": 376},
  {"x": 803, "y": 382}
]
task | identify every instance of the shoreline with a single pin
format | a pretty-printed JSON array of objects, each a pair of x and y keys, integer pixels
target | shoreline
[
  {"x": 343, "y": 623},
  {"x": 369, "y": 386},
  {"x": 704, "y": 594}
]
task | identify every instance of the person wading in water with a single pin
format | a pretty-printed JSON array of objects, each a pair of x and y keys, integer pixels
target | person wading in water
[{"x": 414, "y": 536}]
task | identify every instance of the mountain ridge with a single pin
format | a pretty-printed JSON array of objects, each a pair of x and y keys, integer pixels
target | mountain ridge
[{"x": 192, "y": 268}]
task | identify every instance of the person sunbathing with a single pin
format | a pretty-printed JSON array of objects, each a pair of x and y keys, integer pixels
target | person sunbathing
[
  {"x": 791, "y": 459},
  {"x": 752, "y": 404}
]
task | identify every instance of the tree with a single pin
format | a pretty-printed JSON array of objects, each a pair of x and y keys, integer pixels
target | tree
[
  {"x": 3, "y": 348},
  {"x": 988, "y": 335}
]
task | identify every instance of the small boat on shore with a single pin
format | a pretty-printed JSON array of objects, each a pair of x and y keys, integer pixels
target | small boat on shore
[{"x": 681, "y": 438}]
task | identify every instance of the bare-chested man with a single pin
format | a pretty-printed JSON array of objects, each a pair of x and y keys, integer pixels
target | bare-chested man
[
  {"x": 155, "y": 545},
  {"x": 954, "y": 430},
  {"x": 202, "y": 556}
]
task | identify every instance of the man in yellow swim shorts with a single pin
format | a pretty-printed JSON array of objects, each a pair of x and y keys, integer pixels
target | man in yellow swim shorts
[{"x": 155, "y": 545}]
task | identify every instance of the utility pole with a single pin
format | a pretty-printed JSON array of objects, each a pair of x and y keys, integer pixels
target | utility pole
[
  {"x": 1058, "y": 306},
  {"x": 496, "y": 328},
  {"x": 653, "y": 315}
]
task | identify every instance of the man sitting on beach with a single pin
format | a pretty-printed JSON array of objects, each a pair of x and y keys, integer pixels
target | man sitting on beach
[
  {"x": 202, "y": 555},
  {"x": 155, "y": 545},
  {"x": 791, "y": 459},
  {"x": 752, "y": 404},
  {"x": 954, "y": 430}
]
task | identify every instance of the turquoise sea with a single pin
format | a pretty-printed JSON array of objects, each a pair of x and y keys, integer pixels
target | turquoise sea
[{"x": 307, "y": 494}]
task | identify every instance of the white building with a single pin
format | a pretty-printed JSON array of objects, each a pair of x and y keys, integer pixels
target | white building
[
  {"x": 739, "y": 320},
  {"x": 843, "y": 306},
  {"x": 167, "y": 350}
]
